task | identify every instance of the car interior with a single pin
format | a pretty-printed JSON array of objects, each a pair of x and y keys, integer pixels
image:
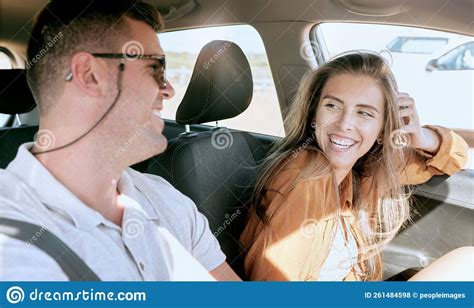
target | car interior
[{"x": 220, "y": 179}]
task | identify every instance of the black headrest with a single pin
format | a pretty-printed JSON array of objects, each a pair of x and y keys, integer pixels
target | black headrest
[
  {"x": 15, "y": 95},
  {"x": 221, "y": 86}
]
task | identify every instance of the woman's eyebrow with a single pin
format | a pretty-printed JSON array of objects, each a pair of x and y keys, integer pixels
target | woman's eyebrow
[
  {"x": 334, "y": 98},
  {"x": 358, "y": 105}
]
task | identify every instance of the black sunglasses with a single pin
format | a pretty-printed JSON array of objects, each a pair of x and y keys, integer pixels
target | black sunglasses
[{"x": 160, "y": 70}]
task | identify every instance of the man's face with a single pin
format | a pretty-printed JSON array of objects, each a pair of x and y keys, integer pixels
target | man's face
[{"x": 136, "y": 123}]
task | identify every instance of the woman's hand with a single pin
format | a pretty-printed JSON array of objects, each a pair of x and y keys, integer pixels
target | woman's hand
[{"x": 419, "y": 137}]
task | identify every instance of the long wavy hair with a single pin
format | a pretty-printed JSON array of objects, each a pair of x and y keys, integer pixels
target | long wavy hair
[{"x": 378, "y": 220}]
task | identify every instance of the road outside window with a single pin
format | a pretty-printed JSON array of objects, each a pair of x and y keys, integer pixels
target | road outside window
[{"x": 182, "y": 48}]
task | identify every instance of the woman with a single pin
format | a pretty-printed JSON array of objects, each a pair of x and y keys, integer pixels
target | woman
[{"x": 331, "y": 194}]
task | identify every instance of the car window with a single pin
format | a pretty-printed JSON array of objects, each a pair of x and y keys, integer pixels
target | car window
[
  {"x": 442, "y": 97},
  {"x": 182, "y": 48},
  {"x": 425, "y": 45},
  {"x": 460, "y": 58},
  {"x": 5, "y": 63}
]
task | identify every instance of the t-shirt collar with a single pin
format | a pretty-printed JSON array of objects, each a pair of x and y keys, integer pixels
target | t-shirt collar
[{"x": 56, "y": 196}]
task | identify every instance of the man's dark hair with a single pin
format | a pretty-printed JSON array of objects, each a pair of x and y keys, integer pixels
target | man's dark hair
[{"x": 65, "y": 27}]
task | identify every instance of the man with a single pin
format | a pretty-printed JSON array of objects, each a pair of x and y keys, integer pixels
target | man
[{"x": 96, "y": 70}]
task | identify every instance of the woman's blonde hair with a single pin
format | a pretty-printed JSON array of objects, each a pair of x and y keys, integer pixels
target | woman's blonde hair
[{"x": 380, "y": 219}]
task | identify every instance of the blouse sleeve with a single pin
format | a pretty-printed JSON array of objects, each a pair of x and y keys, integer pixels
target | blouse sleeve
[
  {"x": 297, "y": 238},
  {"x": 450, "y": 158}
]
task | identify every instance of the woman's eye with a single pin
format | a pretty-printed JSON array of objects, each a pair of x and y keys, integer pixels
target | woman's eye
[
  {"x": 366, "y": 114},
  {"x": 331, "y": 106}
]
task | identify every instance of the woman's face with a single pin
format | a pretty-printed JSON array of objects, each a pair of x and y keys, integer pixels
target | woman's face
[{"x": 349, "y": 118}]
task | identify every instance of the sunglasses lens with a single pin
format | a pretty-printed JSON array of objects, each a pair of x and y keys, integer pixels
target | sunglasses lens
[{"x": 161, "y": 78}]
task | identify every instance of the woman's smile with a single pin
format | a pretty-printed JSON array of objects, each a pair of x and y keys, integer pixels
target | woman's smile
[{"x": 341, "y": 143}]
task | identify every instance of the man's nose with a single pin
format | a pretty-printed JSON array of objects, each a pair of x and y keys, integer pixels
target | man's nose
[{"x": 168, "y": 91}]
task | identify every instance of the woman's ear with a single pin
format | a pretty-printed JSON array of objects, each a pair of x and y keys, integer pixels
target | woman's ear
[{"x": 380, "y": 138}]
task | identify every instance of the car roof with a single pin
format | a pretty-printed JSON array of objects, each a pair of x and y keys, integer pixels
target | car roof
[{"x": 179, "y": 14}]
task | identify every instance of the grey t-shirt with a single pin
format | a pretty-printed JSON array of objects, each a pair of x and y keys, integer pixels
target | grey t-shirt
[{"x": 161, "y": 237}]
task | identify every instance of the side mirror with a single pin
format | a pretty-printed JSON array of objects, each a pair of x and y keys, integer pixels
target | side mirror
[{"x": 432, "y": 65}]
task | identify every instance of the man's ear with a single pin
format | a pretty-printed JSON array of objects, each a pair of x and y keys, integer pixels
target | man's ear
[{"x": 88, "y": 74}]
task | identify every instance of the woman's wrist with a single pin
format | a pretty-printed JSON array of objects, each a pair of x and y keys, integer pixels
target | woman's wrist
[{"x": 430, "y": 141}]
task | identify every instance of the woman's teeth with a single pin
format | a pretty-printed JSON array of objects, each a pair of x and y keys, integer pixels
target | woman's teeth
[
  {"x": 157, "y": 113},
  {"x": 341, "y": 143}
]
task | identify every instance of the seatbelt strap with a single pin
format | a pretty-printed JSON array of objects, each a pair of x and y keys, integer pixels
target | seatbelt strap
[{"x": 71, "y": 264}]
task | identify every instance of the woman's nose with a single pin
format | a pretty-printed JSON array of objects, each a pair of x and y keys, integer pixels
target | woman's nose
[{"x": 346, "y": 121}]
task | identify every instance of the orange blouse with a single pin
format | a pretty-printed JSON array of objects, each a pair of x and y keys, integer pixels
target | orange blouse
[{"x": 302, "y": 217}]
